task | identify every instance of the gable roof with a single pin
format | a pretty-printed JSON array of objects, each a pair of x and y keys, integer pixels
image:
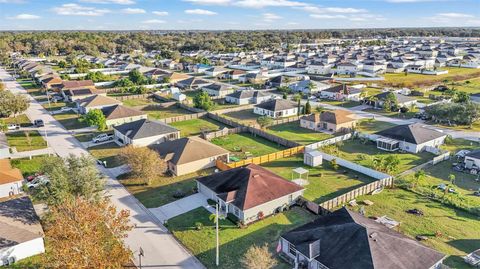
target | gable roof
[
  {"x": 144, "y": 128},
  {"x": 414, "y": 133},
  {"x": 474, "y": 154},
  {"x": 18, "y": 222},
  {"x": 249, "y": 186},
  {"x": 350, "y": 240},
  {"x": 400, "y": 97},
  {"x": 187, "y": 149},
  {"x": 343, "y": 89},
  {"x": 277, "y": 105},
  {"x": 81, "y": 91},
  {"x": 247, "y": 94},
  {"x": 8, "y": 174},
  {"x": 97, "y": 100},
  {"x": 217, "y": 87},
  {"x": 68, "y": 84},
  {"x": 119, "y": 112},
  {"x": 338, "y": 116}
]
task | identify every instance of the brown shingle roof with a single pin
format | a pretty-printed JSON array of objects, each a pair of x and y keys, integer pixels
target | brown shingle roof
[
  {"x": 249, "y": 186},
  {"x": 338, "y": 116},
  {"x": 9, "y": 174},
  {"x": 98, "y": 100},
  {"x": 119, "y": 112},
  {"x": 77, "y": 84},
  {"x": 187, "y": 149}
]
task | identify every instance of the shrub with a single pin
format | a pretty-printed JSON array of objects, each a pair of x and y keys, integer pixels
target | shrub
[
  {"x": 233, "y": 218},
  {"x": 178, "y": 194},
  {"x": 198, "y": 225}
]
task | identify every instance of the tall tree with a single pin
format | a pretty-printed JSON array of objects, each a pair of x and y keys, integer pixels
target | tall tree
[
  {"x": 308, "y": 108},
  {"x": 203, "y": 101},
  {"x": 258, "y": 258},
  {"x": 264, "y": 121},
  {"x": 95, "y": 117},
  {"x": 144, "y": 163}
]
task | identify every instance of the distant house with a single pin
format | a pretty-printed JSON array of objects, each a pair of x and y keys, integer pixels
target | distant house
[
  {"x": 190, "y": 154},
  {"x": 216, "y": 89},
  {"x": 11, "y": 179},
  {"x": 348, "y": 68},
  {"x": 276, "y": 108},
  {"x": 77, "y": 84},
  {"x": 95, "y": 102},
  {"x": 192, "y": 83},
  {"x": 144, "y": 132},
  {"x": 304, "y": 87},
  {"x": 247, "y": 97},
  {"x": 332, "y": 121},
  {"x": 254, "y": 78},
  {"x": 176, "y": 77},
  {"x": 73, "y": 90},
  {"x": 402, "y": 100},
  {"x": 118, "y": 114},
  {"x": 21, "y": 234},
  {"x": 51, "y": 81},
  {"x": 347, "y": 240},
  {"x": 319, "y": 68},
  {"x": 472, "y": 159},
  {"x": 281, "y": 81},
  {"x": 412, "y": 138},
  {"x": 250, "y": 193},
  {"x": 341, "y": 92},
  {"x": 215, "y": 71},
  {"x": 233, "y": 74}
]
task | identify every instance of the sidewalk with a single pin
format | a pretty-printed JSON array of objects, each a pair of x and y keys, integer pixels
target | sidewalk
[{"x": 31, "y": 153}]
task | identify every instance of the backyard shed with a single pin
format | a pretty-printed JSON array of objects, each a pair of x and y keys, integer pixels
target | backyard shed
[{"x": 313, "y": 158}]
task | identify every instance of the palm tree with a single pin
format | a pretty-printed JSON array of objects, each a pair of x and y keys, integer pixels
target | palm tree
[
  {"x": 451, "y": 178},
  {"x": 418, "y": 178}
]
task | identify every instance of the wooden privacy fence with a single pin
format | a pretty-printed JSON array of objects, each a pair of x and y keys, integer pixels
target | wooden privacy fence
[
  {"x": 223, "y": 132},
  {"x": 262, "y": 159},
  {"x": 183, "y": 117},
  {"x": 343, "y": 199},
  {"x": 131, "y": 96}
]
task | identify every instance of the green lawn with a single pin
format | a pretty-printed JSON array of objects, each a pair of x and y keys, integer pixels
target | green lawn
[
  {"x": 325, "y": 183},
  {"x": 20, "y": 119},
  {"x": 26, "y": 140},
  {"x": 162, "y": 188},
  {"x": 139, "y": 102},
  {"x": 471, "y": 86},
  {"x": 70, "y": 121},
  {"x": 55, "y": 106},
  {"x": 347, "y": 104},
  {"x": 107, "y": 152},
  {"x": 234, "y": 241},
  {"x": 454, "y": 73},
  {"x": 460, "y": 230},
  {"x": 391, "y": 114},
  {"x": 244, "y": 145},
  {"x": 162, "y": 113},
  {"x": 29, "y": 167},
  {"x": 372, "y": 126},
  {"x": 197, "y": 126},
  {"x": 293, "y": 132},
  {"x": 363, "y": 154},
  {"x": 243, "y": 116}
]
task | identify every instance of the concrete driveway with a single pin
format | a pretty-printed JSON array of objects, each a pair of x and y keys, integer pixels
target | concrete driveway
[{"x": 179, "y": 207}]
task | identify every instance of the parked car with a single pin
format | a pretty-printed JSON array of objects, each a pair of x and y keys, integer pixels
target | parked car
[
  {"x": 57, "y": 98},
  {"x": 65, "y": 109},
  {"x": 38, "y": 123},
  {"x": 102, "y": 138},
  {"x": 38, "y": 181},
  {"x": 13, "y": 126}
]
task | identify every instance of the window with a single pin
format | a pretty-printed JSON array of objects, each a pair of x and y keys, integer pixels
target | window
[{"x": 292, "y": 250}]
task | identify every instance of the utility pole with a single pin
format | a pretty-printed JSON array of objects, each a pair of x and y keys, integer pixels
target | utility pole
[
  {"x": 217, "y": 258},
  {"x": 140, "y": 255}
]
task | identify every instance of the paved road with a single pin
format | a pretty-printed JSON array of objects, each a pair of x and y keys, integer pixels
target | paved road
[{"x": 160, "y": 248}]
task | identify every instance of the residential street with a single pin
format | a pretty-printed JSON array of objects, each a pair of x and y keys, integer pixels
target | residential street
[{"x": 160, "y": 248}]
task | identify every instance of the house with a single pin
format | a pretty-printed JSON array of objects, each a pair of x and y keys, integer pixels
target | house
[
  {"x": 333, "y": 121},
  {"x": 233, "y": 74},
  {"x": 190, "y": 154},
  {"x": 21, "y": 234},
  {"x": 51, "y": 81},
  {"x": 348, "y": 68},
  {"x": 341, "y": 92},
  {"x": 73, "y": 90},
  {"x": 472, "y": 160},
  {"x": 308, "y": 86},
  {"x": 402, "y": 100},
  {"x": 276, "y": 108},
  {"x": 412, "y": 138},
  {"x": 250, "y": 192},
  {"x": 244, "y": 97},
  {"x": 192, "y": 83},
  {"x": 254, "y": 78},
  {"x": 281, "y": 81},
  {"x": 77, "y": 84},
  {"x": 95, "y": 102},
  {"x": 144, "y": 132},
  {"x": 319, "y": 68},
  {"x": 215, "y": 71},
  {"x": 216, "y": 89},
  {"x": 119, "y": 114},
  {"x": 176, "y": 77},
  {"x": 347, "y": 240},
  {"x": 4, "y": 147},
  {"x": 11, "y": 179}
]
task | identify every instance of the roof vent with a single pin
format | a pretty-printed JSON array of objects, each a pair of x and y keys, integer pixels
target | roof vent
[
  {"x": 314, "y": 249},
  {"x": 373, "y": 236},
  {"x": 256, "y": 175}
]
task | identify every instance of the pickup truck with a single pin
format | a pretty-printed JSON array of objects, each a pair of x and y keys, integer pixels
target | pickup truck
[
  {"x": 102, "y": 138},
  {"x": 38, "y": 181},
  {"x": 13, "y": 126}
]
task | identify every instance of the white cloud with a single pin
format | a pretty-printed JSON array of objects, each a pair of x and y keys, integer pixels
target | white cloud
[
  {"x": 118, "y": 2},
  {"x": 25, "y": 16},
  {"x": 268, "y": 17},
  {"x": 12, "y": 1},
  {"x": 200, "y": 12},
  {"x": 268, "y": 3},
  {"x": 78, "y": 10},
  {"x": 348, "y": 10},
  {"x": 209, "y": 2},
  {"x": 327, "y": 16},
  {"x": 160, "y": 13},
  {"x": 453, "y": 15},
  {"x": 133, "y": 11},
  {"x": 154, "y": 21}
]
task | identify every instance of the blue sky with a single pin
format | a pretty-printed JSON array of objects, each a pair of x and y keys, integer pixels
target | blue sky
[{"x": 234, "y": 14}]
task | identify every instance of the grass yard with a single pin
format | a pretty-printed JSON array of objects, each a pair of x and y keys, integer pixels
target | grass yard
[
  {"x": 391, "y": 114},
  {"x": 471, "y": 86},
  {"x": 246, "y": 145},
  {"x": 107, "y": 152},
  {"x": 460, "y": 230},
  {"x": 55, "y": 106},
  {"x": 372, "y": 126},
  {"x": 454, "y": 74},
  {"x": 234, "y": 242},
  {"x": 26, "y": 140},
  {"x": 20, "y": 119},
  {"x": 139, "y": 102},
  {"x": 29, "y": 167},
  {"x": 325, "y": 183},
  {"x": 244, "y": 116},
  {"x": 161, "y": 189},
  {"x": 346, "y": 104},
  {"x": 162, "y": 113},
  {"x": 363, "y": 154},
  {"x": 293, "y": 132},
  {"x": 70, "y": 121},
  {"x": 197, "y": 126}
]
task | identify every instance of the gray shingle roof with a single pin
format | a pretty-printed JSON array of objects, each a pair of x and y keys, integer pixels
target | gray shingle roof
[
  {"x": 277, "y": 105},
  {"x": 411, "y": 133},
  {"x": 144, "y": 128}
]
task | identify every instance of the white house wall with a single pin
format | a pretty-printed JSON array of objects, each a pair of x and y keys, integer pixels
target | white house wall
[
  {"x": 7, "y": 188},
  {"x": 22, "y": 250}
]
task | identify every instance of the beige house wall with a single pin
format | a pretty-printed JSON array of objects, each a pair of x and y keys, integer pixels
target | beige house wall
[
  {"x": 197, "y": 165},
  {"x": 115, "y": 122}
]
